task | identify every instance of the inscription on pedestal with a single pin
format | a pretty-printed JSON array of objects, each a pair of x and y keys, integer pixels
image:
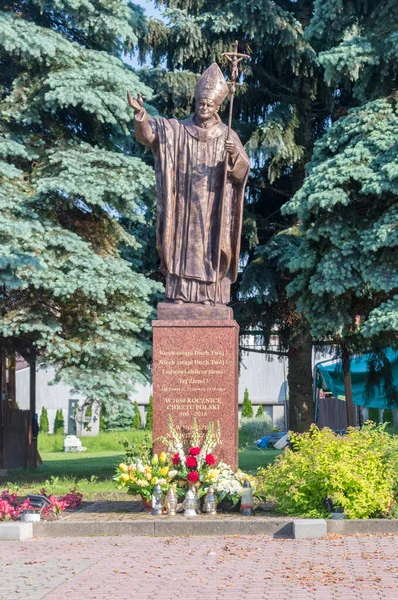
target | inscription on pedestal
[{"x": 195, "y": 372}]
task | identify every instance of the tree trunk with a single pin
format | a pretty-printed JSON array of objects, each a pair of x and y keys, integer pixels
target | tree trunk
[
  {"x": 32, "y": 434},
  {"x": 301, "y": 405}
]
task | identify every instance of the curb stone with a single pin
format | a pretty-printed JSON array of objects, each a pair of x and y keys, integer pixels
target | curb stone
[
  {"x": 309, "y": 529},
  {"x": 362, "y": 526},
  {"x": 16, "y": 531},
  {"x": 159, "y": 527}
]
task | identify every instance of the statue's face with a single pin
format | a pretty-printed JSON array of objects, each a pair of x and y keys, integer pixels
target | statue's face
[{"x": 206, "y": 109}]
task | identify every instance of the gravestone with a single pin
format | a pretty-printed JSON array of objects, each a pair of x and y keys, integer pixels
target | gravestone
[
  {"x": 195, "y": 373},
  {"x": 73, "y": 444}
]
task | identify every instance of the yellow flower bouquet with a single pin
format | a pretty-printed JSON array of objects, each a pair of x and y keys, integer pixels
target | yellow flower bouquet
[{"x": 141, "y": 476}]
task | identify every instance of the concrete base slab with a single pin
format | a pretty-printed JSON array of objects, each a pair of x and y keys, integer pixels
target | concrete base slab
[
  {"x": 160, "y": 527},
  {"x": 16, "y": 531},
  {"x": 215, "y": 526},
  {"x": 198, "y": 526},
  {"x": 309, "y": 529},
  {"x": 92, "y": 528}
]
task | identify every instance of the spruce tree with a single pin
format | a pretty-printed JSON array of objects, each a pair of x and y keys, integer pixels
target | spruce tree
[
  {"x": 120, "y": 417},
  {"x": 136, "y": 423},
  {"x": 311, "y": 62},
  {"x": 149, "y": 414},
  {"x": 374, "y": 415},
  {"x": 103, "y": 419},
  {"x": 388, "y": 416},
  {"x": 44, "y": 426},
  {"x": 346, "y": 278},
  {"x": 70, "y": 177},
  {"x": 59, "y": 422},
  {"x": 247, "y": 407},
  {"x": 260, "y": 411}
]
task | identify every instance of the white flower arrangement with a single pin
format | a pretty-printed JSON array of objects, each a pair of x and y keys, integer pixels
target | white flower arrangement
[
  {"x": 227, "y": 484},
  {"x": 206, "y": 443}
]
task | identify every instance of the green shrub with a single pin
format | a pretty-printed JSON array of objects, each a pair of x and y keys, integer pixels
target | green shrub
[
  {"x": 102, "y": 418},
  {"x": 388, "y": 416},
  {"x": 44, "y": 426},
  {"x": 374, "y": 415},
  {"x": 120, "y": 418},
  {"x": 136, "y": 424},
  {"x": 59, "y": 422},
  {"x": 357, "y": 471},
  {"x": 247, "y": 408},
  {"x": 149, "y": 415},
  {"x": 260, "y": 411},
  {"x": 254, "y": 428}
]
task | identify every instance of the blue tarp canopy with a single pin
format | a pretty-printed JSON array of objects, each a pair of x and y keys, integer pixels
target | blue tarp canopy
[{"x": 333, "y": 376}]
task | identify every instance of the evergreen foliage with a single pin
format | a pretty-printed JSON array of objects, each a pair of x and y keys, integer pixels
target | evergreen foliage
[
  {"x": 102, "y": 418},
  {"x": 44, "y": 425},
  {"x": 345, "y": 270},
  {"x": 282, "y": 106},
  {"x": 59, "y": 422},
  {"x": 74, "y": 200},
  {"x": 136, "y": 422},
  {"x": 253, "y": 428},
  {"x": 374, "y": 415},
  {"x": 247, "y": 407},
  {"x": 260, "y": 411},
  {"x": 149, "y": 414},
  {"x": 388, "y": 416},
  {"x": 119, "y": 417}
]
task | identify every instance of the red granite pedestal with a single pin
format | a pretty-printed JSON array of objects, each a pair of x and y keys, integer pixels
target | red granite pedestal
[{"x": 195, "y": 374}]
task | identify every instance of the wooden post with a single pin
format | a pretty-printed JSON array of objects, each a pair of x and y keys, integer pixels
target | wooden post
[
  {"x": 32, "y": 441},
  {"x": 351, "y": 421}
]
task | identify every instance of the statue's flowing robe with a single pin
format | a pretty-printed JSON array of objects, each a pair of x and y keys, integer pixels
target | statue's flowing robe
[{"x": 189, "y": 165}]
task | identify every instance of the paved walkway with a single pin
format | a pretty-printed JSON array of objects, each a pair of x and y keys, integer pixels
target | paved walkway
[{"x": 200, "y": 568}]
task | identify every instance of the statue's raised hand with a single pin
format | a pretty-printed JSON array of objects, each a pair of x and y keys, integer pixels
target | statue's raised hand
[{"x": 136, "y": 104}]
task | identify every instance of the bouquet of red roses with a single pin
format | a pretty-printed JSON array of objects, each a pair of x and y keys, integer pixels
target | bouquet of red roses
[
  {"x": 196, "y": 464},
  {"x": 192, "y": 465}
]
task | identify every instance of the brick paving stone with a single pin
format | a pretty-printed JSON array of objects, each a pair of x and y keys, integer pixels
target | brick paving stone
[{"x": 201, "y": 568}]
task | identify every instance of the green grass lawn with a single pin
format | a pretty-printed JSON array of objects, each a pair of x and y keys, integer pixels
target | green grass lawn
[
  {"x": 91, "y": 471},
  {"x": 252, "y": 458}
]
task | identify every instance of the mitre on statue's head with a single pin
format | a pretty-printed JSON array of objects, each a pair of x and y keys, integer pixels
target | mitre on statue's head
[{"x": 211, "y": 85}]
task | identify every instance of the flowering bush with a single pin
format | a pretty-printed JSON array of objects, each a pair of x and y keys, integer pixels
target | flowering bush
[
  {"x": 73, "y": 499},
  {"x": 358, "y": 472},
  {"x": 141, "y": 477},
  {"x": 57, "y": 505},
  {"x": 10, "y": 508}
]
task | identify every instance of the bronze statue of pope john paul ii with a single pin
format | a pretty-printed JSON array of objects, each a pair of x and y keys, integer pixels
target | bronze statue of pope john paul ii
[{"x": 189, "y": 164}]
